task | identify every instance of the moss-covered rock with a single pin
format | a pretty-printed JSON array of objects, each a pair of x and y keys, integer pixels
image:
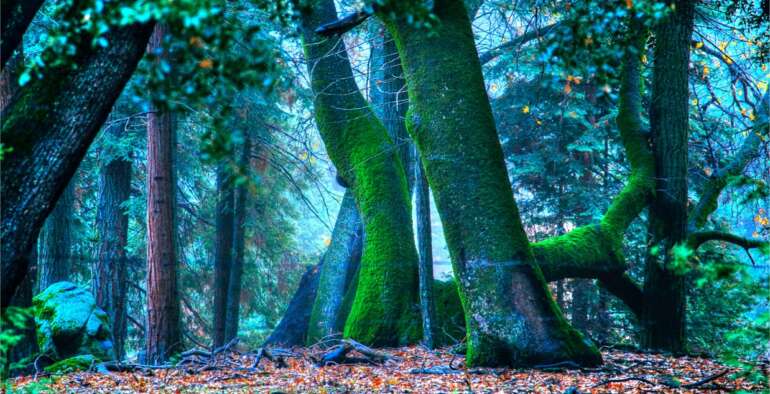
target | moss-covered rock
[
  {"x": 70, "y": 324},
  {"x": 72, "y": 364}
]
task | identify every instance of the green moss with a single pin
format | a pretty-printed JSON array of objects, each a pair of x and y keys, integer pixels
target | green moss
[
  {"x": 72, "y": 364},
  {"x": 450, "y": 320},
  {"x": 384, "y": 310}
]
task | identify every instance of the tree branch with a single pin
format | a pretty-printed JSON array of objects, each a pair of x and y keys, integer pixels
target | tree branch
[
  {"x": 698, "y": 238},
  {"x": 487, "y": 56},
  {"x": 344, "y": 24}
]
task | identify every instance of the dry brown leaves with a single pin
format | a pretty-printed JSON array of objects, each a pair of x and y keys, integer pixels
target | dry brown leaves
[{"x": 622, "y": 373}]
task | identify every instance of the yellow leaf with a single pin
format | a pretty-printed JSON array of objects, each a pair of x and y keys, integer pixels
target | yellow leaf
[
  {"x": 629, "y": 4},
  {"x": 752, "y": 116},
  {"x": 538, "y": 121},
  {"x": 644, "y": 59},
  {"x": 706, "y": 71},
  {"x": 206, "y": 63},
  {"x": 698, "y": 45},
  {"x": 327, "y": 241},
  {"x": 567, "y": 88},
  {"x": 722, "y": 45},
  {"x": 708, "y": 171},
  {"x": 694, "y": 101},
  {"x": 525, "y": 109}
]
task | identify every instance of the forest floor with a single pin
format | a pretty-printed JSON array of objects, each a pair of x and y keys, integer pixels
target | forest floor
[{"x": 413, "y": 370}]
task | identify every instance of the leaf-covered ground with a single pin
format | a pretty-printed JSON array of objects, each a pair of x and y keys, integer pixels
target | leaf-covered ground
[{"x": 233, "y": 372}]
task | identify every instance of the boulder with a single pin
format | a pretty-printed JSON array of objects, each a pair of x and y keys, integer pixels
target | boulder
[{"x": 70, "y": 324}]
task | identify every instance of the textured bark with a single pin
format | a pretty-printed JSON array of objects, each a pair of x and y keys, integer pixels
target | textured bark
[
  {"x": 49, "y": 124},
  {"x": 581, "y": 303},
  {"x": 110, "y": 273},
  {"x": 163, "y": 317},
  {"x": 56, "y": 241},
  {"x": 17, "y": 15},
  {"x": 223, "y": 252},
  {"x": 510, "y": 315},
  {"x": 384, "y": 311},
  {"x": 292, "y": 330},
  {"x": 663, "y": 314},
  {"x": 425, "y": 251},
  {"x": 337, "y": 261},
  {"x": 236, "y": 270}
]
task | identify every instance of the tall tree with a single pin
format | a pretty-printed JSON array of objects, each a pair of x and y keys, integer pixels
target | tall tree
[
  {"x": 163, "y": 330},
  {"x": 223, "y": 253},
  {"x": 110, "y": 273},
  {"x": 56, "y": 241},
  {"x": 239, "y": 234},
  {"x": 510, "y": 315},
  {"x": 49, "y": 125},
  {"x": 425, "y": 251},
  {"x": 384, "y": 310},
  {"x": 663, "y": 315}
]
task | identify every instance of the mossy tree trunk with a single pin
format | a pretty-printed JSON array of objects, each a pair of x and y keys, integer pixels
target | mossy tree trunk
[
  {"x": 510, "y": 315},
  {"x": 49, "y": 125},
  {"x": 384, "y": 311},
  {"x": 337, "y": 261},
  {"x": 663, "y": 317}
]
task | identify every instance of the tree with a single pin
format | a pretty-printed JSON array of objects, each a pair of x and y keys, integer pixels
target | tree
[
  {"x": 49, "y": 125},
  {"x": 223, "y": 253},
  {"x": 384, "y": 311},
  {"x": 110, "y": 281},
  {"x": 510, "y": 315},
  {"x": 163, "y": 331},
  {"x": 236, "y": 270},
  {"x": 17, "y": 15},
  {"x": 56, "y": 241}
]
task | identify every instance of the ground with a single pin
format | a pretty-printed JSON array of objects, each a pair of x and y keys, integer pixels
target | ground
[{"x": 622, "y": 372}]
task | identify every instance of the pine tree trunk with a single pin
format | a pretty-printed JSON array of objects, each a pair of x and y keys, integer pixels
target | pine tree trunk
[
  {"x": 663, "y": 316},
  {"x": 337, "y": 262},
  {"x": 425, "y": 251},
  {"x": 56, "y": 241},
  {"x": 384, "y": 312},
  {"x": 163, "y": 330},
  {"x": 110, "y": 274},
  {"x": 236, "y": 270},
  {"x": 223, "y": 253},
  {"x": 49, "y": 124},
  {"x": 510, "y": 316}
]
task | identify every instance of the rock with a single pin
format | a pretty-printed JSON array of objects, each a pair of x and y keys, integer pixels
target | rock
[
  {"x": 70, "y": 324},
  {"x": 72, "y": 364}
]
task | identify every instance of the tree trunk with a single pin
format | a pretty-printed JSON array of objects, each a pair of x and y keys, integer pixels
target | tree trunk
[
  {"x": 425, "y": 251},
  {"x": 581, "y": 300},
  {"x": 384, "y": 311},
  {"x": 17, "y": 15},
  {"x": 56, "y": 241},
  {"x": 236, "y": 270},
  {"x": 292, "y": 330},
  {"x": 510, "y": 315},
  {"x": 663, "y": 315},
  {"x": 163, "y": 331},
  {"x": 223, "y": 253},
  {"x": 337, "y": 262},
  {"x": 49, "y": 124},
  {"x": 110, "y": 274}
]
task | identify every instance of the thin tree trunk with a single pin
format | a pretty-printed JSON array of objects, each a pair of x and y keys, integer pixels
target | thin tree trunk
[
  {"x": 49, "y": 124},
  {"x": 581, "y": 300},
  {"x": 425, "y": 251},
  {"x": 236, "y": 270},
  {"x": 110, "y": 274},
  {"x": 163, "y": 330},
  {"x": 223, "y": 253},
  {"x": 56, "y": 241},
  {"x": 663, "y": 316}
]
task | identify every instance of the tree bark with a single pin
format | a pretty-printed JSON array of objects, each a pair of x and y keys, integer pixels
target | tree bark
[
  {"x": 337, "y": 262},
  {"x": 236, "y": 270},
  {"x": 663, "y": 316},
  {"x": 110, "y": 274},
  {"x": 56, "y": 241},
  {"x": 425, "y": 251},
  {"x": 510, "y": 315},
  {"x": 49, "y": 124},
  {"x": 384, "y": 311},
  {"x": 17, "y": 15},
  {"x": 163, "y": 330},
  {"x": 292, "y": 330},
  {"x": 223, "y": 253}
]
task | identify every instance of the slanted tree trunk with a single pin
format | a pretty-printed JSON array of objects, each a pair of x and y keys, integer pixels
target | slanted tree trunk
[
  {"x": 17, "y": 15},
  {"x": 223, "y": 253},
  {"x": 663, "y": 317},
  {"x": 110, "y": 274},
  {"x": 236, "y": 270},
  {"x": 384, "y": 311},
  {"x": 425, "y": 251},
  {"x": 49, "y": 124},
  {"x": 337, "y": 262},
  {"x": 163, "y": 331},
  {"x": 292, "y": 330},
  {"x": 510, "y": 316},
  {"x": 56, "y": 241}
]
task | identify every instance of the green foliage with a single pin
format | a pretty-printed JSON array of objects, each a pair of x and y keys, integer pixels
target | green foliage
[{"x": 13, "y": 321}]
